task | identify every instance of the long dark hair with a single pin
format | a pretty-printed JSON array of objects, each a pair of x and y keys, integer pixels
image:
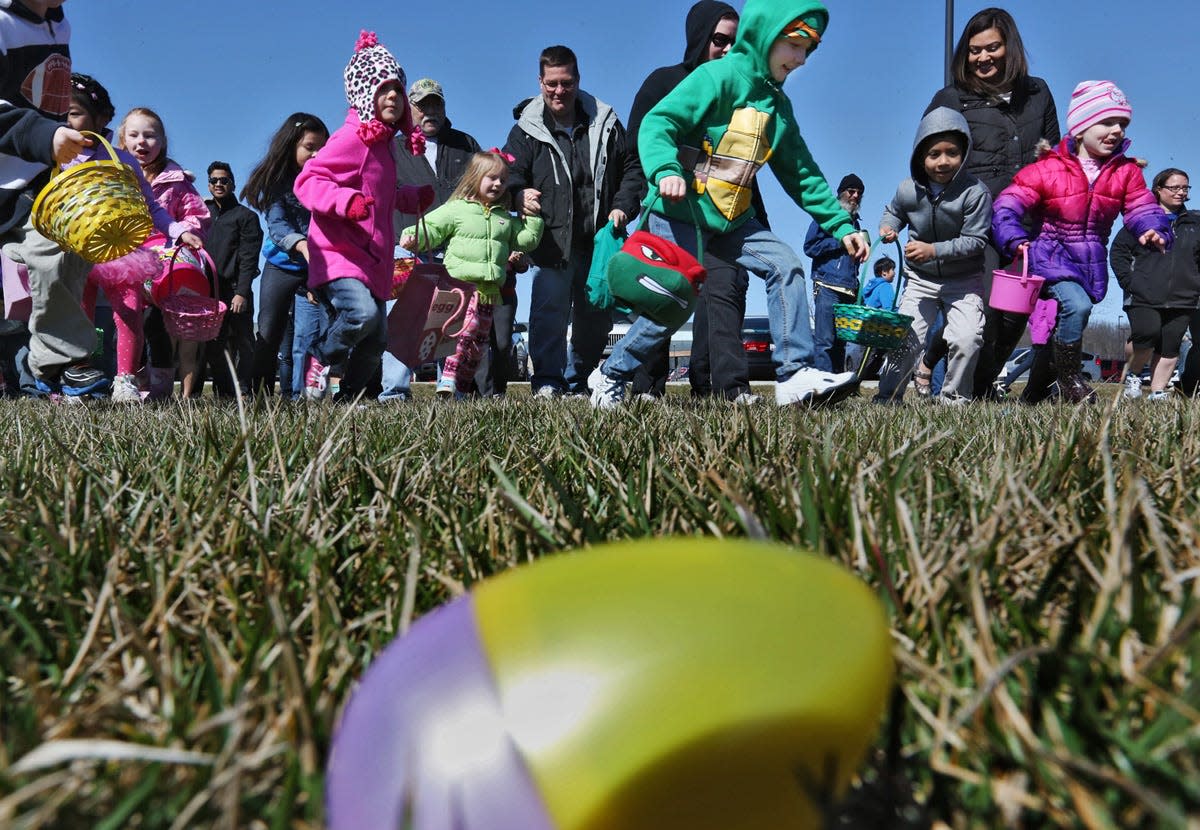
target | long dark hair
[
  {"x": 277, "y": 171},
  {"x": 1016, "y": 63}
]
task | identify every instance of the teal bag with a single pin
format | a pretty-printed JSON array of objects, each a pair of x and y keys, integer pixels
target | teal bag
[{"x": 608, "y": 241}]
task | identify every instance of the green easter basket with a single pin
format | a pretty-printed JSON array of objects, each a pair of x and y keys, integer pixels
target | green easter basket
[{"x": 880, "y": 328}]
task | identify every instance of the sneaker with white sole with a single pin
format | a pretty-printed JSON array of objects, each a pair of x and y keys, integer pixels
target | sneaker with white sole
[
  {"x": 607, "y": 393},
  {"x": 747, "y": 399},
  {"x": 125, "y": 390},
  {"x": 81, "y": 379},
  {"x": 1161, "y": 396},
  {"x": 1133, "y": 386},
  {"x": 446, "y": 388},
  {"x": 316, "y": 379},
  {"x": 547, "y": 393},
  {"x": 814, "y": 387}
]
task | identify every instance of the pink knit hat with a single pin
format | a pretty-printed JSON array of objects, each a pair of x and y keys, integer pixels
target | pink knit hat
[{"x": 1094, "y": 101}]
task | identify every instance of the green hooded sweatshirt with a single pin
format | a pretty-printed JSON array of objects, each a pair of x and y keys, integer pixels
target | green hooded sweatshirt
[{"x": 728, "y": 118}]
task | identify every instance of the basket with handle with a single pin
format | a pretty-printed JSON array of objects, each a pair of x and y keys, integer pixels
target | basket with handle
[
  {"x": 94, "y": 209},
  {"x": 189, "y": 316},
  {"x": 883, "y": 329},
  {"x": 1017, "y": 293}
]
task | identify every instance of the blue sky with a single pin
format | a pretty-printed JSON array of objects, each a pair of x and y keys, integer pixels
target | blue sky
[{"x": 223, "y": 74}]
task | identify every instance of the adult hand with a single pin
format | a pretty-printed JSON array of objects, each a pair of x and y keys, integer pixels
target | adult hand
[
  {"x": 531, "y": 201},
  {"x": 918, "y": 252},
  {"x": 191, "y": 240},
  {"x": 672, "y": 188},
  {"x": 856, "y": 246},
  {"x": 68, "y": 144},
  {"x": 238, "y": 304},
  {"x": 1153, "y": 237},
  {"x": 887, "y": 234},
  {"x": 618, "y": 218}
]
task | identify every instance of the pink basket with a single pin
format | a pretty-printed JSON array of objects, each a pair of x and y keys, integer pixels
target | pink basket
[
  {"x": 189, "y": 316},
  {"x": 1015, "y": 292}
]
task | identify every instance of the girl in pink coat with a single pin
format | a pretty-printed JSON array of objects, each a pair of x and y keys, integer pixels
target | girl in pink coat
[
  {"x": 350, "y": 187},
  {"x": 1072, "y": 195}
]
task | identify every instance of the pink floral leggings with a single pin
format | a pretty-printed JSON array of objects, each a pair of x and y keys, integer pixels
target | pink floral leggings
[{"x": 477, "y": 326}]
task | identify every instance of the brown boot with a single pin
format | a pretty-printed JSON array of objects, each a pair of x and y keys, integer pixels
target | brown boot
[{"x": 1072, "y": 387}]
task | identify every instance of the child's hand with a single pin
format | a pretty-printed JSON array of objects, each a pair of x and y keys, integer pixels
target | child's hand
[
  {"x": 531, "y": 201},
  {"x": 856, "y": 246},
  {"x": 618, "y": 218},
  {"x": 302, "y": 247},
  {"x": 887, "y": 234},
  {"x": 1152, "y": 237},
  {"x": 518, "y": 262},
  {"x": 311, "y": 297},
  {"x": 359, "y": 207},
  {"x": 408, "y": 241},
  {"x": 672, "y": 188},
  {"x": 191, "y": 240},
  {"x": 68, "y": 144},
  {"x": 918, "y": 252}
]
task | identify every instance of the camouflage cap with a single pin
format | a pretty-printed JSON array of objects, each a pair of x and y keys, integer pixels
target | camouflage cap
[{"x": 422, "y": 88}]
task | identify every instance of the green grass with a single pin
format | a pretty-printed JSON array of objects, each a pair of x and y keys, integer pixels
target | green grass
[{"x": 212, "y": 581}]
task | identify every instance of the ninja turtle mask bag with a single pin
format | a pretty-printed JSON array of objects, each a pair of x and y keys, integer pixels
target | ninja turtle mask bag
[{"x": 655, "y": 277}]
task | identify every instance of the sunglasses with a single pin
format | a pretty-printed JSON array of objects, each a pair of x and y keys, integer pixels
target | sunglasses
[
  {"x": 225, "y": 180},
  {"x": 721, "y": 40}
]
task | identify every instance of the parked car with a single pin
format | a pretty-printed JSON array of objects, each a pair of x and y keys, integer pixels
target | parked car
[
  {"x": 759, "y": 347},
  {"x": 1091, "y": 366}
]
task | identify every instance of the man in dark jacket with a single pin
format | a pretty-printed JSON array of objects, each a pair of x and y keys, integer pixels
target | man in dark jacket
[
  {"x": 447, "y": 153},
  {"x": 571, "y": 161},
  {"x": 834, "y": 278},
  {"x": 234, "y": 244}
]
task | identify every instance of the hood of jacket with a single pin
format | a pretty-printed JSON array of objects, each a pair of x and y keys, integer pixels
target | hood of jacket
[
  {"x": 762, "y": 21},
  {"x": 939, "y": 120},
  {"x": 702, "y": 20}
]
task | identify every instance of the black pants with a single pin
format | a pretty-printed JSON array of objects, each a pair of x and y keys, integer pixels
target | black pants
[
  {"x": 276, "y": 296},
  {"x": 236, "y": 339},
  {"x": 491, "y": 378},
  {"x": 718, "y": 360}
]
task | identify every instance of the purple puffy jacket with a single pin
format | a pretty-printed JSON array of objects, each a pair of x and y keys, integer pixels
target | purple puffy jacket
[{"x": 1076, "y": 218}]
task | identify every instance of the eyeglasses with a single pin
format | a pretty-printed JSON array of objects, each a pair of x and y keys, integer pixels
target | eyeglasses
[
  {"x": 1176, "y": 188},
  {"x": 563, "y": 85},
  {"x": 219, "y": 180},
  {"x": 721, "y": 40}
]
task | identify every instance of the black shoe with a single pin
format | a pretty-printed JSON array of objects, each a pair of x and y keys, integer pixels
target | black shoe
[{"x": 82, "y": 379}]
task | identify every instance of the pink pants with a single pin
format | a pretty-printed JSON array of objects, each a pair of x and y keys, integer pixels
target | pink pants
[
  {"x": 477, "y": 325},
  {"x": 128, "y": 319}
]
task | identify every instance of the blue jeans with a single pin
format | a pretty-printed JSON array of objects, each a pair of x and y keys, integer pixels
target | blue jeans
[
  {"x": 761, "y": 253},
  {"x": 559, "y": 296},
  {"x": 397, "y": 378},
  {"x": 829, "y": 353},
  {"x": 1074, "y": 309},
  {"x": 356, "y": 335},
  {"x": 309, "y": 323}
]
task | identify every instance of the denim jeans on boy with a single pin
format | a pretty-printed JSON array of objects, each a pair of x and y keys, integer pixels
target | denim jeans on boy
[
  {"x": 559, "y": 296},
  {"x": 397, "y": 377},
  {"x": 829, "y": 353},
  {"x": 1074, "y": 309},
  {"x": 760, "y": 252}
]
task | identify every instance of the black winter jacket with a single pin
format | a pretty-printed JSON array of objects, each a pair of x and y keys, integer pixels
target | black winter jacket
[
  {"x": 455, "y": 149},
  {"x": 234, "y": 243},
  {"x": 1004, "y": 136},
  {"x": 540, "y": 164},
  {"x": 1155, "y": 280}
]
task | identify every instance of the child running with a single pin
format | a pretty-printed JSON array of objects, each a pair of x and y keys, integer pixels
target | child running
[
  {"x": 269, "y": 190},
  {"x": 1075, "y": 191},
  {"x": 123, "y": 278},
  {"x": 479, "y": 234},
  {"x": 142, "y": 133},
  {"x": 947, "y": 212},
  {"x": 350, "y": 187},
  {"x": 704, "y": 142}
]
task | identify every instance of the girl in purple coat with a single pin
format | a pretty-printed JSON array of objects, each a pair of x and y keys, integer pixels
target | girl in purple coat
[
  {"x": 1074, "y": 193},
  {"x": 350, "y": 187}
]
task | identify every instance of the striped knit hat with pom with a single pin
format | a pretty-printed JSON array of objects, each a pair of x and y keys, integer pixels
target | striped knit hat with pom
[{"x": 1093, "y": 102}]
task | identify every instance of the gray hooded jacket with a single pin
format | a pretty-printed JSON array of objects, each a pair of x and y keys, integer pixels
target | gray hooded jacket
[{"x": 957, "y": 221}]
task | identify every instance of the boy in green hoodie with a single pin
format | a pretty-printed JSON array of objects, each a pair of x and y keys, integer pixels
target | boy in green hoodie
[{"x": 704, "y": 142}]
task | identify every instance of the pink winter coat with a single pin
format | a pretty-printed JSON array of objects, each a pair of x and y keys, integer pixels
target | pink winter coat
[
  {"x": 173, "y": 189},
  {"x": 1076, "y": 217},
  {"x": 339, "y": 247}
]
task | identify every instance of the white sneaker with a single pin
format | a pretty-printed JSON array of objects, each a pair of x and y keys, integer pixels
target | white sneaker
[
  {"x": 951, "y": 400},
  {"x": 547, "y": 393},
  {"x": 1133, "y": 386},
  {"x": 813, "y": 387},
  {"x": 125, "y": 390},
  {"x": 747, "y": 399},
  {"x": 607, "y": 393},
  {"x": 1159, "y": 396},
  {"x": 646, "y": 397}
]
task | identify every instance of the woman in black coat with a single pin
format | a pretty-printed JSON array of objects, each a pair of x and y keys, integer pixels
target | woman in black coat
[{"x": 1009, "y": 111}]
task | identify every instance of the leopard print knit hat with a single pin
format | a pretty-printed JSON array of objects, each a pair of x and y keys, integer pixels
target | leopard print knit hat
[{"x": 371, "y": 66}]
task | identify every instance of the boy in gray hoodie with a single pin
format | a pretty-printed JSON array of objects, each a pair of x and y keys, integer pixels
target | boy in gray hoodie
[{"x": 948, "y": 213}]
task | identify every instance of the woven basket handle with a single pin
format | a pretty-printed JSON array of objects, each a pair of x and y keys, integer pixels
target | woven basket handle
[
  {"x": 112, "y": 154},
  {"x": 208, "y": 260}
]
